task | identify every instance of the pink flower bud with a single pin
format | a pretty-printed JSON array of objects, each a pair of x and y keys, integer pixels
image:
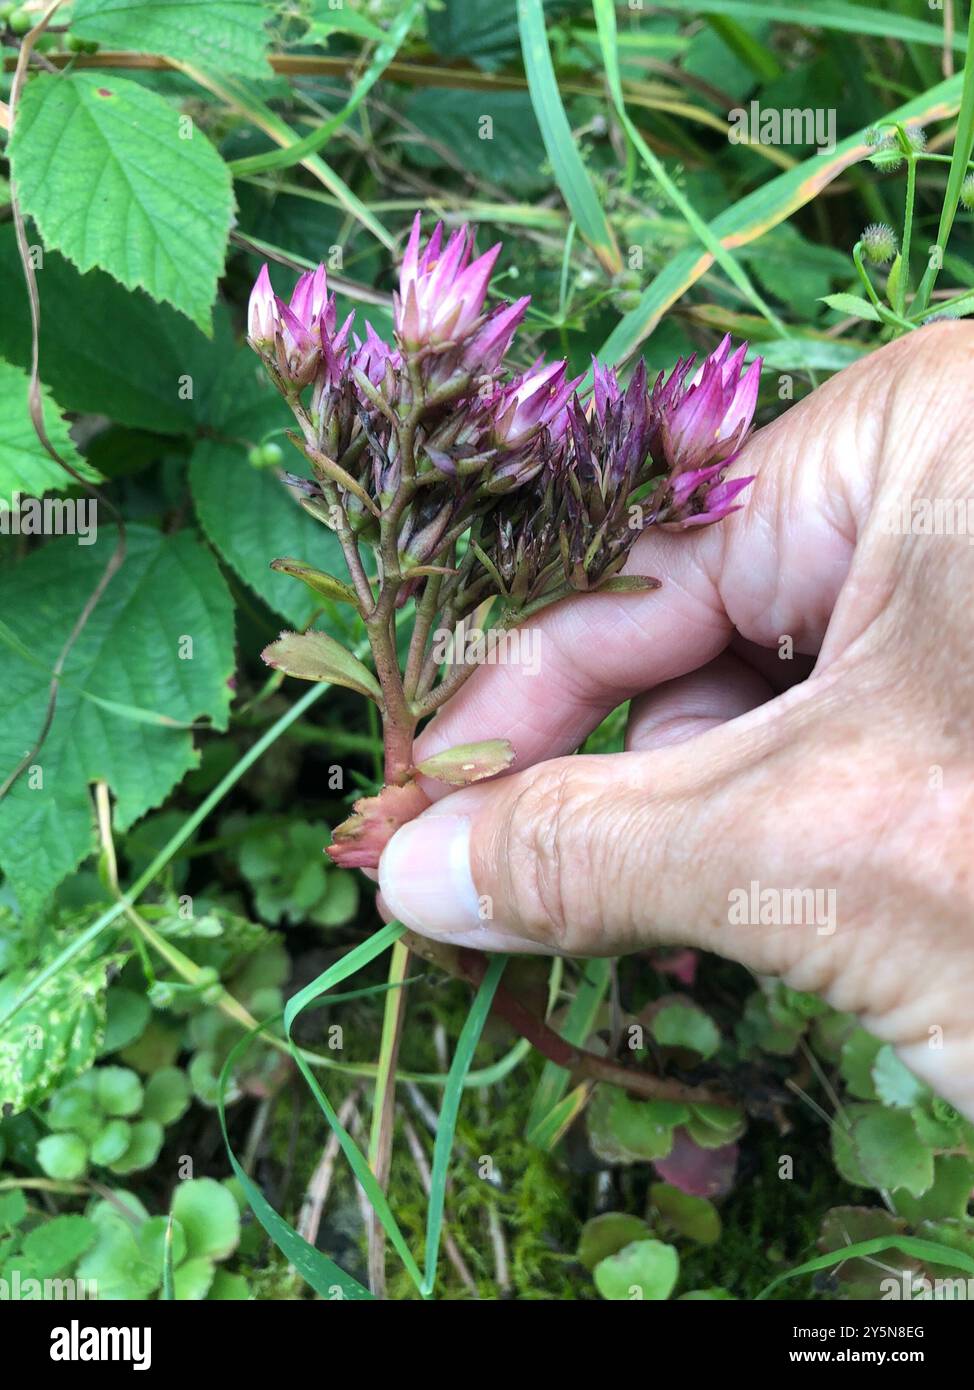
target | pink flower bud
[{"x": 441, "y": 294}]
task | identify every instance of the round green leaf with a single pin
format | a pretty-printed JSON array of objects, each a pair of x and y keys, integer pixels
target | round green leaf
[
  {"x": 167, "y": 1094},
  {"x": 644, "y": 1269},
  {"x": 684, "y": 1025},
  {"x": 63, "y": 1156},
  {"x": 209, "y": 1216},
  {"x": 119, "y": 1090},
  {"x": 145, "y": 1141},
  {"x": 111, "y": 1142},
  {"x": 606, "y": 1234}
]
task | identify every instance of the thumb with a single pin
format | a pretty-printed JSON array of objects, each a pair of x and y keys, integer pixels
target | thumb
[{"x": 584, "y": 855}]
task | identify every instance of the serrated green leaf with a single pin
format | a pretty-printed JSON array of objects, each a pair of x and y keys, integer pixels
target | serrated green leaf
[
  {"x": 145, "y": 1141},
  {"x": 56, "y": 1034},
  {"x": 116, "y": 1264},
  {"x": 63, "y": 1157},
  {"x": 13, "y": 1208},
  {"x": 168, "y": 591},
  {"x": 111, "y": 1142},
  {"x": 218, "y": 33},
  {"x": 25, "y": 465},
  {"x": 166, "y": 390},
  {"x": 948, "y": 1197},
  {"x": 118, "y": 1090},
  {"x": 192, "y": 1280},
  {"x": 58, "y": 1243},
  {"x": 265, "y": 520},
  {"x": 115, "y": 177},
  {"x": 694, "y": 1217},
  {"x": 889, "y": 1151},
  {"x": 859, "y": 1052},
  {"x": 622, "y": 1130},
  {"x": 166, "y": 1095},
  {"x": 853, "y": 305}
]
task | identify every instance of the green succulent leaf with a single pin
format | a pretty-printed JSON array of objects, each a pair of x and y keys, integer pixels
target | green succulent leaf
[{"x": 314, "y": 656}]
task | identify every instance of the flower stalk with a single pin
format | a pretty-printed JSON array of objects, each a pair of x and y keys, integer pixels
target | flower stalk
[{"x": 468, "y": 489}]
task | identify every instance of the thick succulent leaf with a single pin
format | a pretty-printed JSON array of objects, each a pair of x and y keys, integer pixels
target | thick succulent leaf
[
  {"x": 314, "y": 656},
  {"x": 468, "y": 762}
]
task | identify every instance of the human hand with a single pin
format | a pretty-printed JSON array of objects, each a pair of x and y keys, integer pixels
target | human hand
[{"x": 743, "y": 782}]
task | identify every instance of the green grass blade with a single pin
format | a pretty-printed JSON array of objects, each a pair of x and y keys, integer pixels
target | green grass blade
[
  {"x": 570, "y": 173},
  {"x": 758, "y": 57},
  {"x": 759, "y": 212},
  {"x": 963, "y": 145},
  {"x": 906, "y": 1245},
  {"x": 391, "y": 1024},
  {"x": 605, "y": 19},
  {"x": 446, "y": 1125},
  {"x": 358, "y": 1162},
  {"x": 581, "y": 1017},
  {"x": 293, "y": 154},
  {"x": 825, "y": 14},
  {"x": 168, "y": 1291},
  {"x": 239, "y": 96},
  {"x": 324, "y": 1276}
]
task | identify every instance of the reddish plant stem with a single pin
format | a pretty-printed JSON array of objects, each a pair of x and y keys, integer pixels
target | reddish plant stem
[{"x": 470, "y": 966}]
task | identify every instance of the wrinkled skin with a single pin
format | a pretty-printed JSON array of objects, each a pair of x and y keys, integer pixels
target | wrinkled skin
[{"x": 738, "y": 767}]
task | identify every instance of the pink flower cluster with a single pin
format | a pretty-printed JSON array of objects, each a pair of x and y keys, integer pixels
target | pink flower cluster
[{"x": 500, "y": 432}]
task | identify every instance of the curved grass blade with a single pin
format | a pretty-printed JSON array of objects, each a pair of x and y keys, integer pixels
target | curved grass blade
[
  {"x": 240, "y": 98},
  {"x": 906, "y": 1245},
  {"x": 570, "y": 173},
  {"x": 605, "y": 19},
  {"x": 581, "y": 1017},
  {"x": 963, "y": 144},
  {"x": 357, "y": 1160},
  {"x": 826, "y": 14},
  {"x": 168, "y": 1290},
  {"x": 759, "y": 212},
  {"x": 393, "y": 40},
  {"x": 446, "y": 1126},
  {"x": 324, "y": 1276}
]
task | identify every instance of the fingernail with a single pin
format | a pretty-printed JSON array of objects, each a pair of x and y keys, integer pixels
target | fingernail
[{"x": 425, "y": 877}]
